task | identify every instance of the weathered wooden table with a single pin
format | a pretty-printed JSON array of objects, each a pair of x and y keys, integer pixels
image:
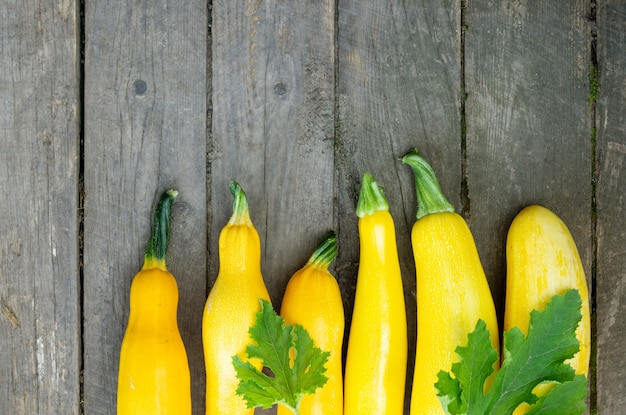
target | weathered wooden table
[{"x": 103, "y": 105}]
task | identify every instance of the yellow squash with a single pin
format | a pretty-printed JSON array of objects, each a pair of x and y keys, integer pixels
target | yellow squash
[
  {"x": 313, "y": 300},
  {"x": 452, "y": 290},
  {"x": 377, "y": 346},
  {"x": 543, "y": 261},
  {"x": 154, "y": 372},
  {"x": 231, "y": 308}
]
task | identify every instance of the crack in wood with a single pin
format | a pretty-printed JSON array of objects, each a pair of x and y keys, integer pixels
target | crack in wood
[{"x": 7, "y": 311}]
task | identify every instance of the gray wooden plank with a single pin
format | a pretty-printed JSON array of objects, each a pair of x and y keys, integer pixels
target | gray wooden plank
[
  {"x": 273, "y": 125},
  {"x": 272, "y": 128},
  {"x": 528, "y": 122},
  {"x": 145, "y": 131},
  {"x": 39, "y": 166},
  {"x": 611, "y": 210},
  {"x": 398, "y": 88}
]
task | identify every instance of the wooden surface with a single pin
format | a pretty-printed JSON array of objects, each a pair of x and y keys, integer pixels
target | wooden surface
[
  {"x": 104, "y": 106},
  {"x": 144, "y": 132},
  {"x": 610, "y": 173},
  {"x": 390, "y": 99},
  {"x": 40, "y": 327},
  {"x": 528, "y": 125}
]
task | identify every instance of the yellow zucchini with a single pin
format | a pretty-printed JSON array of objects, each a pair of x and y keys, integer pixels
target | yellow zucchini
[
  {"x": 313, "y": 300},
  {"x": 543, "y": 261},
  {"x": 452, "y": 290},
  {"x": 376, "y": 359},
  {"x": 231, "y": 308},
  {"x": 154, "y": 372}
]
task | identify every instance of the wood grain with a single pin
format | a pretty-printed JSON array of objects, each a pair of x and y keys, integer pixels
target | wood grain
[
  {"x": 611, "y": 208},
  {"x": 528, "y": 122},
  {"x": 398, "y": 88},
  {"x": 273, "y": 126},
  {"x": 295, "y": 100},
  {"x": 145, "y": 132},
  {"x": 39, "y": 166}
]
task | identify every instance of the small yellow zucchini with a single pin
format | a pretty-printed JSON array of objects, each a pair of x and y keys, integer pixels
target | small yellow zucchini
[
  {"x": 154, "y": 374},
  {"x": 312, "y": 299},
  {"x": 452, "y": 290},
  {"x": 543, "y": 261},
  {"x": 231, "y": 308},
  {"x": 375, "y": 373}
]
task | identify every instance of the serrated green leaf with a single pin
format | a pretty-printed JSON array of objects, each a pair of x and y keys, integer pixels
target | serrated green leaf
[
  {"x": 472, "y": 370},
  {"x": 541, "y": 355},
  {"x": 296, "y": 365},
  {"x": 308, "y": 363},
  {"x": 566, "y": 398},
  {"x": 256, "y": 390},
  {"x": 528, "y": 361},
  {"x": 476, "y": 364},
  {"x": 449, "y": 393}
]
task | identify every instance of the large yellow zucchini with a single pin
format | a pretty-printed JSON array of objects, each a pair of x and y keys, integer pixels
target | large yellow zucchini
[
  {"x": 231, "y": 308},
  {"x": 313, "y": 300},
  {"x": 154, "y": 374},
  {"x": 377, "y": 346},
  {"x": 452, "y": 290},
  {"x": 543, "y": 261}
]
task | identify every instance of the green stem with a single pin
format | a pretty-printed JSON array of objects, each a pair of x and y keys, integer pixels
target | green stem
[
  {"x": 372, "y": 197},
  {"x": 241, "y": 214},
  {"x": 326, "y": 252},
  {"x": 430, "y": 198},
  {"x": 160, "y": 236}
]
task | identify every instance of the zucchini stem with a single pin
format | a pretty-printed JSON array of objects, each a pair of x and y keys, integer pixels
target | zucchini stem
[
  {"x": 430, "y": 198},
  {"x": 372, "y": 197},
  {"x": 160, "y": 234},
  {"x": 241, "y": 214},
  {"x": 326, "y": 252}
]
